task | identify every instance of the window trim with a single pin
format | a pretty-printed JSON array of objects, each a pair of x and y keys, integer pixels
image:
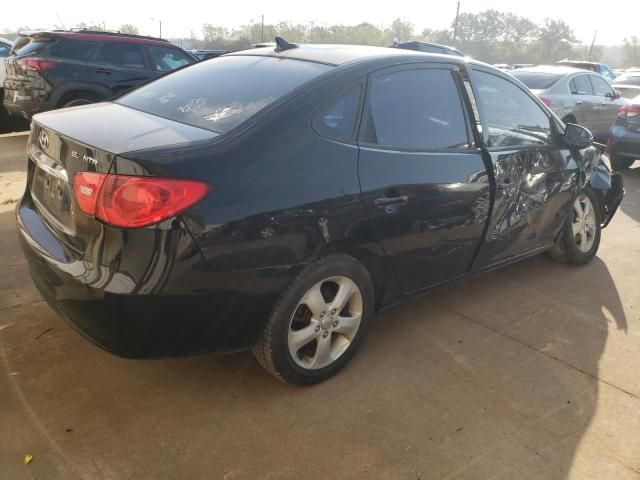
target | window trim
[
  {"x": 96, "y": 56},
  {"x": 315, "y": 114},
  {"x": 483, "y": 122},
  {"x": 572, "y": 78},
  {"x": 366, "y": 112},
  {"x": 594, "y": 86}
]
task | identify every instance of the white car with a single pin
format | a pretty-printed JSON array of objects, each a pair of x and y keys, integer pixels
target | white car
[{"x": 5, "y": 49}]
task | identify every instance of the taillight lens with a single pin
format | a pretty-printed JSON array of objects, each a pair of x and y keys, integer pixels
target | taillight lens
[
  {"x": 36, "y": 64},
  {"x": 629, "y": 111},
  {"x": 546, "y": 101},
  {"x": 133, "y": 202}
]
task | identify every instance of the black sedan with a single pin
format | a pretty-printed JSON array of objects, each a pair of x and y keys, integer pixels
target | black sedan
[
  {"x": 624, "y": 137},
  {"x": 274, "y": 199}
]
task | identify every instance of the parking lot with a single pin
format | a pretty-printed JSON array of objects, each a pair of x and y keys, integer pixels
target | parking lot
[{"x": 529, "y": 372}]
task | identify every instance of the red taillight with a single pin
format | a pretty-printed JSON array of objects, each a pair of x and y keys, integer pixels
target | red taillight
[
  {"x": 37, "y": 64},
  {"x": 132, "y": 202},
  {"x": 629, "y": 111},
  {"x": 546, "y": 101},
  {"x": 87, "y": 186}
]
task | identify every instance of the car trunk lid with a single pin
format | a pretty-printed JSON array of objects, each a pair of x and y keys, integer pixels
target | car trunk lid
[{"x": 87, "y": 139}]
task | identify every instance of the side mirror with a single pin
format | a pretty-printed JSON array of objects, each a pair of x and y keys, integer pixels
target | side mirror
[
  {"x": 576, "y": 136},
  {"x": 613, "y": 96}
]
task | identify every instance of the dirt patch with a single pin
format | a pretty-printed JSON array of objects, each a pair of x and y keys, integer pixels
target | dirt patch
[{"x": 12, "y": 186}]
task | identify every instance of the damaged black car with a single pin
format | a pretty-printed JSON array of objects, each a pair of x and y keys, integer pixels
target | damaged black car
[{"x": 275, "y": 199}]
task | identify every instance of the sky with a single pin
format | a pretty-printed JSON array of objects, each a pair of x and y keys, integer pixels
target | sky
[{"x": 180, "y": 18}]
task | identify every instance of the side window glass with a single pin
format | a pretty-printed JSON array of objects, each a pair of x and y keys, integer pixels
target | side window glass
[
  {"x": 4, "y": 50},
  {"x": 71, "y": 50},
  {"x": 416, "y": 109},
  {"x": 122, "y": 54},
  {"x": 167, "y": 59},
  {"x": 512, "y": 117},
  {"x": 337, "y": 119},
  {"x": 600, "y": 86},
  {"x": 581, "y": 85}
]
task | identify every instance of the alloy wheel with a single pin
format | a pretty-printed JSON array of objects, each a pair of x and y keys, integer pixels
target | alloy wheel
[
  {"x": 584, "y": 223},
  {"x": 325, "y": 322}
]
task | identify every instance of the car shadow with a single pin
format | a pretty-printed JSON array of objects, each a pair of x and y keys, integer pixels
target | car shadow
[
  {"x": 631, "y": 181},
  {"x": 492, "y": 377}
]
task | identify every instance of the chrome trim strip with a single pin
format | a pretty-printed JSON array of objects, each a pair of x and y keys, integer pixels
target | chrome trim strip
[{"x": 48, "y": 164}]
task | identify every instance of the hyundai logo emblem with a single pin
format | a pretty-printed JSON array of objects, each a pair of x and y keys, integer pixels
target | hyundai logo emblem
[{"x": 44, "y": 140}]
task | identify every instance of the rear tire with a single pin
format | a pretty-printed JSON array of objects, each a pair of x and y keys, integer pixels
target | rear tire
[
  {"x": 319, "y": 321},
  {"x": 77, "y": 102},
  {"x": 618, "y": 163},
  {"x": 579, "y": 239}
]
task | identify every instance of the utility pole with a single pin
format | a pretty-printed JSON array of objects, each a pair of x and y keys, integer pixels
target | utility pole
[
  {"x": 592, "y": 44},
  {"x": 262, "y": 29},
  {"x": 455, "y": 25}
]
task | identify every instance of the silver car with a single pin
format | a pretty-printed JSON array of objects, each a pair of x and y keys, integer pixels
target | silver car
[{"x": 576, "y": 96}]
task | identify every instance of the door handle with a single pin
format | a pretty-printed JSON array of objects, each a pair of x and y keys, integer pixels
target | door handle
[
  {"x": 385, "y": 201},
  {"x": 103, "y": 72}
]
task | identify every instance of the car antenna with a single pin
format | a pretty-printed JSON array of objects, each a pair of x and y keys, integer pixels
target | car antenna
[{"x": 282, "y": 45}]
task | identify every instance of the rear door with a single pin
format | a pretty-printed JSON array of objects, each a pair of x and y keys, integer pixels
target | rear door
[
  {"x": 532, "y": 172},
  {"x": 423, "y": 179},
  {"x": 120, "y": 66}
]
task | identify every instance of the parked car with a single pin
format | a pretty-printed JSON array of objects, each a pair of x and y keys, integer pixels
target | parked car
[
  {"x": 55, "y": 69},
  {"x": 624, "y": 140},
  {"x": 601, "y": 68},
  {"x": 264, "y": 201},
  {"x": 429, "y": 47},
  {"x": 628, "y": 84},
  {"x": 5, "y": 49},
  {"x": 207, "y": 54},
  {"x": 576, "y": 96}
]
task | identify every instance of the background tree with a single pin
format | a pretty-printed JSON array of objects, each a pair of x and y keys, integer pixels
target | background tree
[
  {"x": 632, "y": 51},
  {"x": 129, "y": 29}
]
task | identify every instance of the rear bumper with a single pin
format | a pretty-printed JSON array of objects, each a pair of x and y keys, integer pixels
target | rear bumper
[
  {"x": 174, "y": 307},
  {"x": 625, "y": 143},
  {"x": 25, "y": 109}
]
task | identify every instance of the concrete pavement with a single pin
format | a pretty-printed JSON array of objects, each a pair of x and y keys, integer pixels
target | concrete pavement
[{"x": 529, "y": 372}]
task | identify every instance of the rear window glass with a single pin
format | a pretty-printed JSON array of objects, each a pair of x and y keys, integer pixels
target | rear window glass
[
  {"x": 220, "y": 94},
  {"x": 537, "y": 80},
  {"x": 71, "y": 49},
  {"x": 30, "y": 45}
]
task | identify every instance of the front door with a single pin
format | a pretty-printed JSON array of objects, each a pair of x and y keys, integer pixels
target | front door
[
  {"x": 534, "y": 175},
  {"x": 423, "y": 179}
]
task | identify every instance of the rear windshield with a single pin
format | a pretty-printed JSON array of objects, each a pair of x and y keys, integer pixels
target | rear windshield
[
  {"x": 221, "y": 93},
  {"x": 30, "y": 45},
  {"x": 537, "y": 80}
]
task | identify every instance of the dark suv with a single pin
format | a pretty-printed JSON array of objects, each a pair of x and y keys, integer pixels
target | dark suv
[{"x": 49, "y": 70}]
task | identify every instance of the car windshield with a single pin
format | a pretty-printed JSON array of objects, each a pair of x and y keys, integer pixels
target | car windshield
[
  {"x": 220, "y": 94},
  {"x": 537, "y": 80}
]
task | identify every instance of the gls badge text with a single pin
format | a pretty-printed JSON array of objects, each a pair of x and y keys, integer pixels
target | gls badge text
[{"x": 85, "y": 158}]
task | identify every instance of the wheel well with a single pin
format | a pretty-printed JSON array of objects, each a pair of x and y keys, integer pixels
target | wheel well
[
  {"x": 373, "y": 263},
  {"x": 77, "y": 94}
]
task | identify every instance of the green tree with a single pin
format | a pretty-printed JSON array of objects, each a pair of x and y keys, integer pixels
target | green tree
[
  {"x": 96, "y": 27},
  {"x": 129, "y": 28},
  {"x": 555, "y": 41},
  {"x": 632, "y": 51}
]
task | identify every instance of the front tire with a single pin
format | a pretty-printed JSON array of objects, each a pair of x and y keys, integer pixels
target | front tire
[
  {"x": 319, "y": 321},
  {"x": 579, "y": 239}
]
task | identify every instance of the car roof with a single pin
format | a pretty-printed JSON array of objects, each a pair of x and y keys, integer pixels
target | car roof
[
  {"x": 96, "y": 36},
  {"x": 341, "y": 54},
  {"x": 579, "y": 62},
  {"x": 4, "y": 40},
  {"x": 552, "y": 69}
]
